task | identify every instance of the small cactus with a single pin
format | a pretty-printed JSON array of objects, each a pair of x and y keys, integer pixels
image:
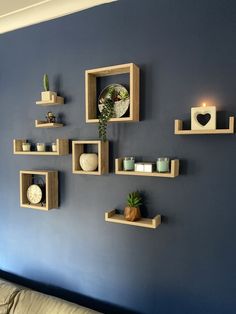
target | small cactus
[{"x": 45, "y": 83}]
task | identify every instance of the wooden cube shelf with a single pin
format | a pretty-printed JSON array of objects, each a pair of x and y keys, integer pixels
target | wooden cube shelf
[
  {"x": 45, "y": 124},
  {"x": 112, "y": 216},
  {"x": 51, "y": 188},
  {"x": 78, "y": 148},
  {"x": 174, "y": 170},
  {"x": 55, "y": 101},
  {"x": 179, "y": 129},
  {"x": 62, "y": 148},
  {"x": 91, "y": 91}
]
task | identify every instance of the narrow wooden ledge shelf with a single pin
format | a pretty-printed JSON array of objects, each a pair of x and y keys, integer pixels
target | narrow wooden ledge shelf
[
  {"x": 174, "y": 166},
  {"x": 112, "y": 216},
  {"x": 43, "y": 124},
  {"x": 62, "y": 148},
  {"x": 179, "y": 129},
  {"x": 91, "y": 91},
  {"x": 56, "y": 100}
]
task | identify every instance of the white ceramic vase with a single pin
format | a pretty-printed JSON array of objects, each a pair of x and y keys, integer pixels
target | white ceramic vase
[{"x": 88, "y": 162}]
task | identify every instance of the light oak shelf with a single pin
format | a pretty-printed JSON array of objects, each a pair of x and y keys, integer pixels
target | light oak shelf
[
  {"x": 51, "y": 188},
  {"x": 174, "y": 166},
  {"x": 91, "y": 91},
  {"x": 179, "y": 129},
  {"x": 78, "y": 148},
  {"x": 44, "y": 124},
  {"x": 112, "y": 216},
  {"x": 55, "y": 101},
  {"x": 62, "y": 148}
]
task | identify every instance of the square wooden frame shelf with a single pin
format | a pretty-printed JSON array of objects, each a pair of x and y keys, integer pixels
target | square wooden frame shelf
[
  {"x": 78, "y": 148},
  {"x": 91, "y": 91},
  {"x": 174, "y": 170},
  {"x": 112, "y": 216},
  {"x": 62, "y": 148},
  {"x": 51, "y": 188},
  {"x": 179, "y": 129}
]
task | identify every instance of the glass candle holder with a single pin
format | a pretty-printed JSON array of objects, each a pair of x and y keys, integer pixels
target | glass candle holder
[
  {"x": 163, "y": 164},
  {"x": 40, "y": 147},
  {"x": 128, "y": 164}
]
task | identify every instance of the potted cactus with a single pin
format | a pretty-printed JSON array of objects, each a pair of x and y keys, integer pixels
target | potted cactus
[
  {"x": 132, "y": 210},
  {"x": 47, "y": 95}
]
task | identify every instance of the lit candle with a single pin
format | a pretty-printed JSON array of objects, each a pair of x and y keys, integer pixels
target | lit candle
[{"x": 203, "y": 117}]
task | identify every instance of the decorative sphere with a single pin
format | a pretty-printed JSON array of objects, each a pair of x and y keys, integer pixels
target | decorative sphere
[{"x": 88, "y": 162}]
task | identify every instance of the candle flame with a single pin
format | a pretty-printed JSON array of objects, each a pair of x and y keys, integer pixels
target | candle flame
[{"x": 203, "y": 104}]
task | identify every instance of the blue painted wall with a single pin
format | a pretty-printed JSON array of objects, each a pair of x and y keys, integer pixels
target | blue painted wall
[{"x": 186, "y": 51}]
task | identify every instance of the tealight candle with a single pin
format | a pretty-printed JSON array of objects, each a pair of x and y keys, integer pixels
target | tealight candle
[
  {"x": 26, "y": 147},
  {"x": 203, "y": 117},
  {"x": 128, "y": 163},
  {"x": 40, "y": 147},
  {"x": 163, "y": 164}
]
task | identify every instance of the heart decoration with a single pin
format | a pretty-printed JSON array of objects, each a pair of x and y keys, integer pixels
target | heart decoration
[{"x": 203, "y": 119}]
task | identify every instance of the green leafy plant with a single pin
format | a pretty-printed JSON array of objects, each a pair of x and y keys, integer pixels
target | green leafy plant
[
  {"x": 106, "y": 114},
  {"x": 123, "y": 95},
  {"x": 134, "y": 199},
  {"x": 45, "y": 83}
]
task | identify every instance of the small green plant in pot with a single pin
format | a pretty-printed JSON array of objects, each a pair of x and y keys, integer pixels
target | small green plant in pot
[
  {"x": 106, "y": 114},
  {"x": 47, "y": 95},
  {"x": 132, "y": 210}
]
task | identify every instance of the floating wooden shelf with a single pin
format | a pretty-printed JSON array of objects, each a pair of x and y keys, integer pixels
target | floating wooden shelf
[
  {"x": 62, "y": 148},
  {"x": 44, "y": 124},
  {"x": 56, "y": 100},
  {"x": 51, "y": 188},
  {"x": 174, "y": 166},
  {"x": 112, "y": 216},
  {"x": 179, "y": 129},
  {"x": 91, "y": 91},
  {"x": 78, "y": 148}
]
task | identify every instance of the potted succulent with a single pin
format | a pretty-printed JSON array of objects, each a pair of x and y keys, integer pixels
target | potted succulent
[
  {"x": 47, "y": 95},
  {"x": 132, "y": 210}
]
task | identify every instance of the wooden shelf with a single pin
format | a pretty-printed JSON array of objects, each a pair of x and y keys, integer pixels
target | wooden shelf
[
  {"x": 112, "y": 216},
  {"x": 51, "y": 188},
  {"x": 78, "y": 148},
  {"x": 62, "y": 148},
  {"x": 179, "y": 129},
  {"x": 44, "y": 124},
  {"x": 56, "y": 100},
  {"x": 91, "y": 91},
  {"x": 174, "y": 170}
]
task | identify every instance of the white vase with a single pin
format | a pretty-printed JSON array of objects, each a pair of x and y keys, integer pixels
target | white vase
[{"x": 88, "y": 162}]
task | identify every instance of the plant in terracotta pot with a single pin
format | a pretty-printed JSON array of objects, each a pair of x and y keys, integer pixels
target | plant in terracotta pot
[
  {"x": 47, "y": 95},
  {"x": 132, "y": 211}
]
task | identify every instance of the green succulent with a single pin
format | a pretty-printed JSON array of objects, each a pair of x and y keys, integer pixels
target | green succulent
[
  {"x": 123, "y": 95},
  {"x": 134, "y": 199},
  {"x": 45, "y": 83}
]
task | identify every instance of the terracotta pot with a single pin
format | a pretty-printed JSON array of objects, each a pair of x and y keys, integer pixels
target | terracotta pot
[
  {"x": 88, "y": 162},
  {"x": 132, "y": 213}
]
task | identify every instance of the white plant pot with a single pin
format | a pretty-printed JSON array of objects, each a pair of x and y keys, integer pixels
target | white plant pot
[
  {"x": 88, "y": 162},
  {"x": 48, "y": 96}
]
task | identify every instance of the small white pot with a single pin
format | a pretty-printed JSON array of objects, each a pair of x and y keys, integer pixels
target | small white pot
[
  {"x": 40, "y": 147},
  {"x": 26, "y": 147},
  {"x": 54, "y": 147},
  {"x": 88, "y": 162},
  {"x": 48, "y": 96}
]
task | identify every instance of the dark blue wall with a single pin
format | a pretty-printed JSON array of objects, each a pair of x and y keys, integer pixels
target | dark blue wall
[{"x": 186, "y": 51}]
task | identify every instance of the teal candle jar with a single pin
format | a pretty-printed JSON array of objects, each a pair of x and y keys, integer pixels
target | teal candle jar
[
  {"x": 163, "y": 164},
  {"x": 128, "y": 163}
]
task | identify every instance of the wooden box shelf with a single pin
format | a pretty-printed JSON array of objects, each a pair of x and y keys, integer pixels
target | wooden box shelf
[
  {"x": 179, "y": 129},
  {"x": 174, "y": 166},
  {"x": 51, "y": 188},
  {"x": 55, "y": 101},
  {"x": 78, "y": 148},
  {"x": 113, "y": 216},
  {"x": 62, "y": 148},
  {"x": 91, "y": 91},
  {"x": 44, "y": 124}
]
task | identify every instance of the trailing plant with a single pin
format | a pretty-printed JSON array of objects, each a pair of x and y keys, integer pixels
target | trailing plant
[
  {"x": 45, "y": 83},
  {"x": 106, "y": 114},
  {"x": 134, "y": 199}
]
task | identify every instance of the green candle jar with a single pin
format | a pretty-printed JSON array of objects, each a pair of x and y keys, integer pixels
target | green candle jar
[
  {"x": 128, "y": 164},
  {"x": 163, "y": 164}
]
